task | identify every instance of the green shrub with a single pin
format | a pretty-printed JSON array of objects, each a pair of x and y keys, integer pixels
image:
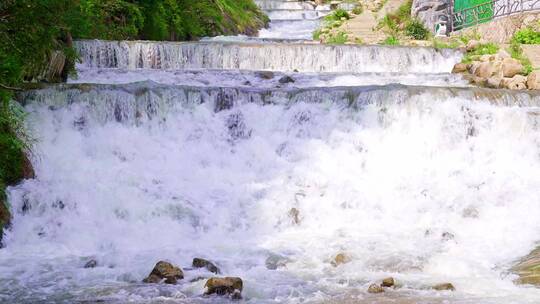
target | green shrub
[
  {"x": 416, "y": 30},
  {"x": 337, "y": 15},
  {"x": 482, "y": 49},
  {"x": 516, "y": 52},
  {"x": 339, "y": 38},
  {"x": 391, "y": 40},
  {"x": 527, "y": 36},
  {"x": 358, "y": 9}
]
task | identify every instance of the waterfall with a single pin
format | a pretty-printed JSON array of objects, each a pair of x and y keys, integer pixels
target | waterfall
[
  {"x": 280, "y": 57},
  {"x": 270, "y": 158}
]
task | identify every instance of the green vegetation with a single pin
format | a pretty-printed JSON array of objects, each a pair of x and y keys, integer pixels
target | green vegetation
[
  {"x": 337, "y": 15},
  {"x": 481, "y": 49},
  {"x": 516, "y": 52},
  {"x": 391, "y": 40},
  {"x": 451, "y": 44},
  {"x": 416, "y": 30},
  {"x": 338, "y": 38},
  {"x": 400, "y": 24},
  {"x": 527, "y": 36},
  {"x": 358, "y": 9}
]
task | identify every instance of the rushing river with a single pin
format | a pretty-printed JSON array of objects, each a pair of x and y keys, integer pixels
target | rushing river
[{"x": 170, "y": 151}]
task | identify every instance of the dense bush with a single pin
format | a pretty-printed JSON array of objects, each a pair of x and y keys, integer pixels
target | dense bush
[
  {"x": 416, "y": 30},
  {"x": 337, "y": 15},
  {"x": 527, "y": 36}
]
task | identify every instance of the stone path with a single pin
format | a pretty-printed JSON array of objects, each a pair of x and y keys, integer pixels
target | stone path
[{"x": 363, "y": 26}]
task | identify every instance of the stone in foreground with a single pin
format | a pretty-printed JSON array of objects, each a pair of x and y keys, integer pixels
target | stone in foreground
[
  {"x": 164, "y": 270},
  {"x": 388, "y": 282},
  {"x": 225, "y": 286},
  {"x": 202, "y": 263},
  {"x": 528, "y": 269},
  {"x": 375, "y": 288},
  {"x": 341, "y": 258},
  {"x": 444, "y": 286}
]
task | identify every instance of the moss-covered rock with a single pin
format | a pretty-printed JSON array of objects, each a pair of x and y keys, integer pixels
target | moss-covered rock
[
  {"x": 5, "y": 216},
  {"x": 528, "y": 268}
]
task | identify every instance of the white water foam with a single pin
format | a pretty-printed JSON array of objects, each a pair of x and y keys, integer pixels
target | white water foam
[{"x": 387, "y": 184}]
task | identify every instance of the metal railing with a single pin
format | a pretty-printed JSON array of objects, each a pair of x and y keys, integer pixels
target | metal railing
[{"x": 490, "y": 10}]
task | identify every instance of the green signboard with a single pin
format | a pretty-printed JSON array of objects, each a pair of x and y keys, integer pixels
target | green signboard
[{"x": 471, "y": 12}]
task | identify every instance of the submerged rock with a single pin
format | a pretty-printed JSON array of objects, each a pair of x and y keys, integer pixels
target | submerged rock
[
  {"x": 275, "y": 261},
  {"x": 286, "y": 79},
  {"x": 341, "y": 258},
  {"x": 91, "y": 264},
  {"x": 388, "y": 282},
  {"x": 225, "y": 286},
  {"x": 444, "y": 286},
  {"x": 202, "y": 263},
  {"x": 295, "y": 215},
  {"x": 164, "y": 270},
  {"x": 375, "y": 288},
  {"x": 266, "y": 74}
]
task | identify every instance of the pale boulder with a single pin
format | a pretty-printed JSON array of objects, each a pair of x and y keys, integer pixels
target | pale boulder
[
  {"x": 511, "y": 67},
  {"x": 533, "y": 80}
]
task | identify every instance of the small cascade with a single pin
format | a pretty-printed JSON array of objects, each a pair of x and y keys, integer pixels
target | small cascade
[
  {"x": 275, "y": 57},
  {"x": 291, "y": 19}
]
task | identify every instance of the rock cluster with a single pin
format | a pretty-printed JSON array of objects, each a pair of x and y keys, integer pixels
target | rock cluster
[
  {"x": 498, "y": 71},
  {"x": 379, "y": 288},
  {"x": 171, "y": 274}
]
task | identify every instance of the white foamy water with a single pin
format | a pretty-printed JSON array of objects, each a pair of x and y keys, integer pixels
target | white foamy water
[
  {"x": 272, "y": 56},
  {"x": 382, "y": 181},
  {"x": 170, "y": 151},
  {"x": 245, "y": 78}
]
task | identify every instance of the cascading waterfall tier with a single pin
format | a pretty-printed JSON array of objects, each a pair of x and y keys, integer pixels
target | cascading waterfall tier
[
  {"x": 425, "y": 184},
  {"x": 272, "y": 56},
  {"x": 146, "y": 100}
]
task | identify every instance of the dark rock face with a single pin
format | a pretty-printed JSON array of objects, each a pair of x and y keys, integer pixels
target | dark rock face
[
  {"x": 164, "y": 270},
  {"x": 225, "y": 286},
  {"x": 91, "y": 264},
  {"x": 202, "y": 263},
  {"x": 286, "y": 79},
  {"x": 430, "y": 12}
]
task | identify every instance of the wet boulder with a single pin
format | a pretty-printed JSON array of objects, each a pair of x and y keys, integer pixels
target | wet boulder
[
  {"x": 231, "y": 286},
  {"x": 459, "y": 68},
  {"x": 388, "y": 282},
  {"x": 528, "y": 269},
  {"x": 202, "y": 263},
  {"x": 265, "y": 74},
  {"x": 444, "y": 286},
  {"x": 164, "y": 271},
  {"x": 375, "y": 288},
  {"x": 275, "y": 261},
  {"x": 286, "y": 79},
  {"x": 294, "y": 214},
  {"x": 91, "y": 264},
  {"x": 341, "y": 258}
]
